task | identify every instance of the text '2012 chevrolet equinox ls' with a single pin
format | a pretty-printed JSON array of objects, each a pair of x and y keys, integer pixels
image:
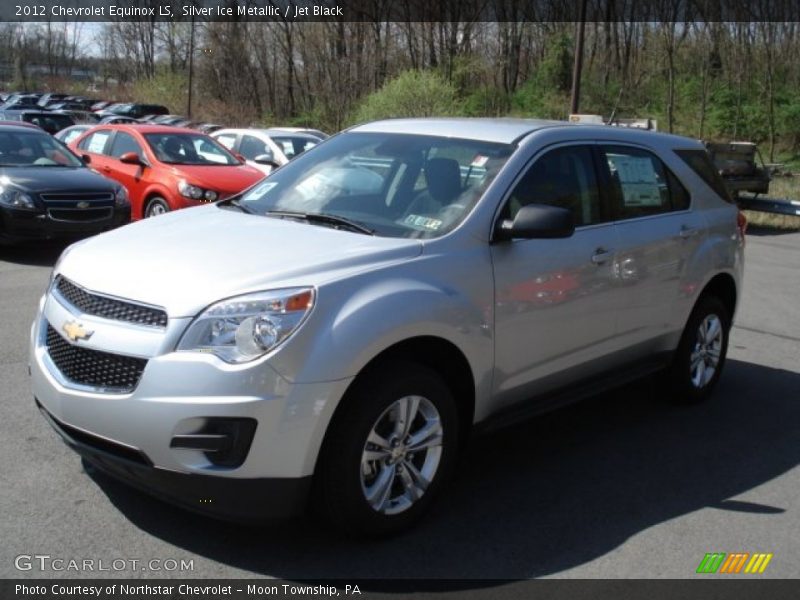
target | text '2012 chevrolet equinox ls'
[{"x": 333, "y": 333}]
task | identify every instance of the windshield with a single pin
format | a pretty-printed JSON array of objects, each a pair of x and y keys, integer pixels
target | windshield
[
  {"x": 396, "y": 185},
  {"x": 189, "y": 149},
  {"x": 34, "y": 149}
]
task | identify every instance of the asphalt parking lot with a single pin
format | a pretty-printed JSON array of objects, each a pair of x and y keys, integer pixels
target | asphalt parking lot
[{"x": 619, "y": 486}]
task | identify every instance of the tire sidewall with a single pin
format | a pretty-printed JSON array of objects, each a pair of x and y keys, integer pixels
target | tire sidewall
[
  {"x": 681, "y": 386},
  {"x": 347, "y": 507},
  {"x": 155, "y": 200}
]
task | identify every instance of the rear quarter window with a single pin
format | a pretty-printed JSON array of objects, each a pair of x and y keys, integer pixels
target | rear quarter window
[{"x": 700, "y": 162}]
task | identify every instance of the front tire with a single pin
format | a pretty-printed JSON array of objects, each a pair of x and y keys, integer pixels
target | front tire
[
  {"x": 391, "y": 447},
  {"x": 700, "y": 357},
  {"x": 156, "y": 206}
]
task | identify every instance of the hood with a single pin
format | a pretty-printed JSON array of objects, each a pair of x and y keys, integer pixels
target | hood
[
  {"x": 57, "y": 179},
  {"x": 226, "y": 179},
  {"x": 188, "y": 259}
]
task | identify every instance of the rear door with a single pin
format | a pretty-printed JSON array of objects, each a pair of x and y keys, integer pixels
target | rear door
[
  {"x": 657, "y": 236},
  {"x": 96, "y": 145},
  {"x": 556, "y": 302}
]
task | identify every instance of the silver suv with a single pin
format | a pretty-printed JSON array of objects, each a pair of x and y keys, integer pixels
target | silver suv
[{"x": 331, "y": 336}]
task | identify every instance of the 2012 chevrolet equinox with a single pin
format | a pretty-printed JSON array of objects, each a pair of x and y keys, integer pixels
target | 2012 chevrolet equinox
[{"x": 344, "y": 324}]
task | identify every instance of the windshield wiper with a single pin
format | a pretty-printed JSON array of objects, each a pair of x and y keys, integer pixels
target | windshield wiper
[
  {"x": 235, "y": 202},
  {"x": 324, "y": 218}
]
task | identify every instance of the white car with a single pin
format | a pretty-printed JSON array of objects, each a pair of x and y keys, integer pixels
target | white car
[{"x": 266, "y": 149}]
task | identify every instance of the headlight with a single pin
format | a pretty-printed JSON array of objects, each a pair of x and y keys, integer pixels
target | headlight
[
  {"x": 210, "y": 195},
  {"x": 16, "y": 199},
  {"x": 121, "y": 197},
  {"x": 243, "y": 328},
  {"x": 190, "y": 191}
]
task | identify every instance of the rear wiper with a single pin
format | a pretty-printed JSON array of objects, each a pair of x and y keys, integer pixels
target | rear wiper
[{"x": 325, "y": 218}]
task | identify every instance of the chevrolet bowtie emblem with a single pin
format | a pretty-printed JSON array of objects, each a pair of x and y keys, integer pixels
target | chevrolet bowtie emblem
[
  {"x": 83, "y": 204},
  {"x": 75, "y": 331}
]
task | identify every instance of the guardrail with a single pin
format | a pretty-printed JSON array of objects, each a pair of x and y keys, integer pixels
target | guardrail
[{"x": 771, "y": 205}]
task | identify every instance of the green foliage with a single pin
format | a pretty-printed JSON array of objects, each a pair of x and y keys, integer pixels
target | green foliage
[
  {"x": 411, "y": 94},
  {"x": 556, "y": 68},
  {"x": 545, "y": 95},
  {"x": 486, "y": 101},
  {"x": 167, "y": 88}
]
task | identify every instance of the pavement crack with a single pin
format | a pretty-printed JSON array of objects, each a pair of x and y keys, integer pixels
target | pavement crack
[{"x": 763, "y": 332}]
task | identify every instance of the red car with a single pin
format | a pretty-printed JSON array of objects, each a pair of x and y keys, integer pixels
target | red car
[{"x": 164, "y": 168}]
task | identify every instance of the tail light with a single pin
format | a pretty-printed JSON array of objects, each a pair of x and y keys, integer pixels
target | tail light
[{"x": 741, "y": 224}]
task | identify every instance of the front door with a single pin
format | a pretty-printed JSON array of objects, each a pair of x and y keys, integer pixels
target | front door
[{"x": 556, "y": 302}]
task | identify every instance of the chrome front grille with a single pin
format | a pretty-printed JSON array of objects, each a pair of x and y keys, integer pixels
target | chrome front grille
[
  {"x": 71, "y": 199},
  {"x": 93, "y": 368},
  {"x": 109, "y": 308}
]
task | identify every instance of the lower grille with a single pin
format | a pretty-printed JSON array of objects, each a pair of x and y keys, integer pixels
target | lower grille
[
  {"x": 84, "y": 366},
  {"x": 80, "y": 215}
]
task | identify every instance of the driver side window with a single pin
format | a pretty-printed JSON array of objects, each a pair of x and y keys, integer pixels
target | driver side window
[{"x": 563, "y": 177}]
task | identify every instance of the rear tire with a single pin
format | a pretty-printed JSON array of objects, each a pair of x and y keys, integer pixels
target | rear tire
[
  {"x": 156, "y": 206},
  {"x": 700, "y": 357},
  {"x": 379, "y": 471}
]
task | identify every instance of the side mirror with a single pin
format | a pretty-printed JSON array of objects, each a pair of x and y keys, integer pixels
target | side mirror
[
  {"x": 537, "y": 221},
  {"x": 131, "y": 158},
  {"x": 266, "y": 159},
  {"x": 86, "y": 158}
]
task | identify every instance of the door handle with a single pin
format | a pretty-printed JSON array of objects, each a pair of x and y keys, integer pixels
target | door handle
[
  {"x": 601, "y": 255},
  {"x": 686, "y": 232}
]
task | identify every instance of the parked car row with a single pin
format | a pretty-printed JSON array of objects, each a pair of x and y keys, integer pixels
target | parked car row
[{"x": 162, "y": 161}]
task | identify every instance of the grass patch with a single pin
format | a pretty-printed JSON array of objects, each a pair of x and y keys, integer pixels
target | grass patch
[{"x": 772, "y": 221}]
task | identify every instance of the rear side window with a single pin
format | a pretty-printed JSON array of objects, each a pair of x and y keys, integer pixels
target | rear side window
[
  {"x": 95, "y": 142},
  {"x": 700, "y": 162},
  {"x": 641, "y": 185},
  {"x": 250, "y": 147}
]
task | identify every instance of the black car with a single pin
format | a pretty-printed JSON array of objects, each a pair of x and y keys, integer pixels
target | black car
[
  {"x": 51, "y": 98},
  {"x": 20, "y": 101},
  {"x": 135, "y": 111},
  {"x": 48, "y": 192},
  {"x": 51, "y": 122}
]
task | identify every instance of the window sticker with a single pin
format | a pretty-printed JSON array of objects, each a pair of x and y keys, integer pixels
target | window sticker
[
  {"x": 420, "y": 222},
  {"x": 479, "y": 161},
  {"x": 260, "y": 191},
  {"x": 97, "y": 142}
]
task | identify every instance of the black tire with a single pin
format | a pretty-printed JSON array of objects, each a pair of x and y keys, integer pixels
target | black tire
[
  {"x": 682, "y": 383},
  {"x": 338, "y": 493},
  {"x": 155, "y": 206}
]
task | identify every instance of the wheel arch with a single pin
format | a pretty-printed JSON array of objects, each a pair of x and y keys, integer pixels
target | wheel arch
[
  {"x": 436, "y": 353},
  {"x": 722, "y": 286}
]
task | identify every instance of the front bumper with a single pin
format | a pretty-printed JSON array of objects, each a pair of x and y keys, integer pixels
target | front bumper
[
  {"x": 178, "y": 392},
  {"x": 20, "y": 225},
  {"x": 247, "y": 500}
]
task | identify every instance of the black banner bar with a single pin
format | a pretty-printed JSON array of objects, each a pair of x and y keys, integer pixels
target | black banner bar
[
  {"x": 703, "y": 588},
  {"x": 537, "y": 11}
]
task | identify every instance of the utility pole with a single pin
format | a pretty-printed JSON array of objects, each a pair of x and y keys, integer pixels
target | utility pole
[
  {"x": 578, "y": 65},
  {"x": 191, "y": 71}
]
